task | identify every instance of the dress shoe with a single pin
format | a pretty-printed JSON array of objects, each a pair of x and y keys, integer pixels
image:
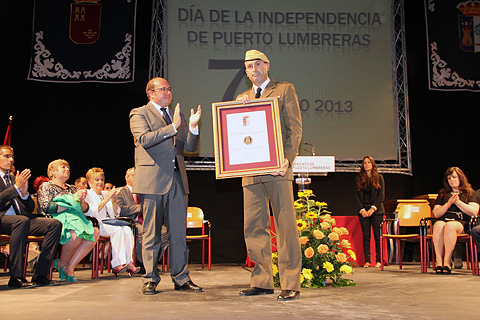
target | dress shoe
[
  {"x": 43, "y": 281},
  {"x": 135, "y": 270},
  {"x": 287, "y": 295},
  {"x": 17, "y": 283},
  {"x": 119, "y": 269},
  {"x": 255, "y": 291},
  {"x": 149, "y": 288},
  {"x": 189, "y": 286}
]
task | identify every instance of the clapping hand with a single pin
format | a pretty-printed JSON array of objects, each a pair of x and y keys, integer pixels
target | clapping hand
[
  {"x": 195, "y": 116},
  {"x": 21, "y": 181}
]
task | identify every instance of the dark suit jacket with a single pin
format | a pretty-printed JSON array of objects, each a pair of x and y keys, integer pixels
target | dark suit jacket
[
  {"x": 290, "y": 120},
  {"x": 156, "y": 147},
  {"x": 128, "y": 207},
  {"x": 378, "y": 196},
  {"x": 8, "y": 194}
]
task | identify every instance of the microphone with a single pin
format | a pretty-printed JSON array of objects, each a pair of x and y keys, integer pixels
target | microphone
[{"x": 311, "y": 145}]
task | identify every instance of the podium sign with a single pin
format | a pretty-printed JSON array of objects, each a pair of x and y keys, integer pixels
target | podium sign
[{"x": 314, "y": 164}]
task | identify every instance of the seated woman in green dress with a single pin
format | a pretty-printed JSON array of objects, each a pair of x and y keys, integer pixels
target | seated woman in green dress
[{"x": 67, "y": 204}]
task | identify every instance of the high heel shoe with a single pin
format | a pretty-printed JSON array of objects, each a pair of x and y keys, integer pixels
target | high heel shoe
[
  {"x": 133, "y": 271},
  {"x": 65, "y": 277},
  {"x": 119, "y": 269},
  {"x": 438, "y": 269},
  {"x": 447, "y": 269}
]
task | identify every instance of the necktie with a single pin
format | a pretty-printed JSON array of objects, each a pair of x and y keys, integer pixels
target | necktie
[
  {"x": 14, "y": 201},
  {"x": 166, "y": 117},
  {"x": 140, "y": 215},
  {"x": 259, "y": 93}
]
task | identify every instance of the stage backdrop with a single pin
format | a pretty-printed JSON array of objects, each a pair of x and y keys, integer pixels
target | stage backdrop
[
  {"x": 83, "y": 41},
  {"x": 338, "y": 55},
  {"x": 453, "y": 39}
]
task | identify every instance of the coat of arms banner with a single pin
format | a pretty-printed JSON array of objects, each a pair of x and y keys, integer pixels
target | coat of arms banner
[
  {"x": 83, "y": 41},
  {"x": 453, "y": 38}
]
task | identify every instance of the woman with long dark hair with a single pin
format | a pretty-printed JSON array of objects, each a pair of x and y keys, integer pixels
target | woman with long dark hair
[
  {"x": 370, "y": 188},
  {"x": 456, "y": 203}
]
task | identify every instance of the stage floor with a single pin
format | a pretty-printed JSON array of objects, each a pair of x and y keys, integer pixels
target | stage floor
[{"x": 390, "y": 294}]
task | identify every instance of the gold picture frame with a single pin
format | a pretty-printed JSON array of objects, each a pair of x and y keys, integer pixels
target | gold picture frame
[{"x": 247, "y": 138}]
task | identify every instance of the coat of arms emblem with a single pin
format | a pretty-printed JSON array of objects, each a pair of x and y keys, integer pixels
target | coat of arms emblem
[
  {"x": 85, "y": 19},
  {"x": 469, "y": 26}
]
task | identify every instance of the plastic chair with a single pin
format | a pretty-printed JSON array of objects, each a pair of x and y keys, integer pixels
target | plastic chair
[
  {"x": 195, "y": 220},
  {"x": 409, "y": 214}
]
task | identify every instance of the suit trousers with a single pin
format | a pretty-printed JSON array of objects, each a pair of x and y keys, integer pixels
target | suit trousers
[
  {"x": 122, "y": 242},
  {"x": 171, "y": 208},
  {"x": 367, "y": 224},
  {"x": 19, "y": 228},
  {"x": 257, "y": 197}
]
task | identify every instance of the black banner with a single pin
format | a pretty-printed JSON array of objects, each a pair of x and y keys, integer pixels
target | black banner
[
  {"x": 453, "y": 37},
  {"x": 83, "y": 41}
]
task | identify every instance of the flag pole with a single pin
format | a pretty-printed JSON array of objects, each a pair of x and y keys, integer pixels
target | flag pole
[{"x": 8, "y": 135}]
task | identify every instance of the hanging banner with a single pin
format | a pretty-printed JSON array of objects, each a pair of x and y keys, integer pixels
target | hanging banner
[
  {"x": 453, "y": 38},
  {"x": 83, "y": 41}
]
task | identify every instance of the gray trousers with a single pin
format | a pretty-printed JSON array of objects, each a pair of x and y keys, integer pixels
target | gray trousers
[{"x": 170, "y": 208}]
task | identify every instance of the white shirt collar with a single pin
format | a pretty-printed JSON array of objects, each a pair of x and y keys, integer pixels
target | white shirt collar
[
  {"x": 158, "y": 107},
  {"x": 263, "y": 85}
]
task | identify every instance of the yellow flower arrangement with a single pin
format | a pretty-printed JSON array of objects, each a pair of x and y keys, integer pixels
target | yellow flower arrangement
[
  {"x": 325, "y": 255},
  {"x": 301, "y": 224}
]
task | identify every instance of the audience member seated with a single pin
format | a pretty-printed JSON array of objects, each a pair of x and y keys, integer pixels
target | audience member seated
[
  {"x": 370, "y": 191},
  {"x": 475, "y": 233},
  {"x": 455, "y": 205},
  {"x": 38, "y": 182},
  {"x": 17, "y": 220},
  {"x": 81, "y": 183},
  {"x": 67, "y": 204},
  {"x": 108, "y": 186},
  {"x": 119, "y": 231},
  {"x": 130, "y": 207}
]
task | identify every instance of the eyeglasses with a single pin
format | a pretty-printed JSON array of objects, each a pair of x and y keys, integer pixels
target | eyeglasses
[{"x": 164, "y": 89}]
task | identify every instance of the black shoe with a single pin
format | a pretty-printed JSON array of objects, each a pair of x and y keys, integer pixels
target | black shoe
[
  {"x": 447, "y": 269},
  {"x": 287, "y": 295},
  {"x": 439, "y": 269},
  {"x": 149, "y": 288},
  {"x": 189, "y": 286},
  {"x": 255, "y": 291},
  {"x": 43, "y": 281},
  {"x": 17, "y": 283}
]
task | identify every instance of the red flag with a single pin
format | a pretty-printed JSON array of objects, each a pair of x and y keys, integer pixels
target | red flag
[{"x": 8, "y": 135}]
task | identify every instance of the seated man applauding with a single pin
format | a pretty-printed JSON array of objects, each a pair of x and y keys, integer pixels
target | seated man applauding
[{"x": 17, "y": 220}]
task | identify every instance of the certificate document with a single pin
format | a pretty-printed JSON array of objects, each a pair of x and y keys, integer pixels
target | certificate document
[{"x": 248, "y": 137}]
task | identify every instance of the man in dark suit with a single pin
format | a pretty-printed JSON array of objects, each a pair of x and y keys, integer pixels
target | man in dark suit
[
  {"x": 130, "y": 207},
  {"x": 17, "y": 220},
  {"x": 160, "y": 181},
  {"x": 275, "y": 189}
]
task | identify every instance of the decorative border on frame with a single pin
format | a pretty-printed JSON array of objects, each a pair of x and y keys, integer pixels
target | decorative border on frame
[
  {"x": 443, "y": 76},
  {"x": 46, "y": 68}
]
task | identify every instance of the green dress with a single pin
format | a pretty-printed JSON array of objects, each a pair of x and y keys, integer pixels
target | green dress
[{"x": 50, "y": 196}]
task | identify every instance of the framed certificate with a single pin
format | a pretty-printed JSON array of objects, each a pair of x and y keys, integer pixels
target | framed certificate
[{"x": 247, "y": 138}]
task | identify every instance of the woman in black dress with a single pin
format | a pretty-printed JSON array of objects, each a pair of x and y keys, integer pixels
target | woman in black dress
[{"x": 455, "y": 205}]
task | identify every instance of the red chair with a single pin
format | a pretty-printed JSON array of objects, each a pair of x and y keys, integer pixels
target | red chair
[
  {"x": 409, "y": 214},
  {"x": 471, "y": 248},
  {"x": 195, "y": 220}
]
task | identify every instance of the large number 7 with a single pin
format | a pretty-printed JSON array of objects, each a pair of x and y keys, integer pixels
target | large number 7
[{"x": 225, "y": 65}]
